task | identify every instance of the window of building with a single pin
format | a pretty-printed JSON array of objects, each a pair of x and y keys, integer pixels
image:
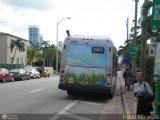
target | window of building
[
  {"x": 21, "y": 60},
  {"x": 11, "y": 59},
  {"x": 17, "y": 60}
]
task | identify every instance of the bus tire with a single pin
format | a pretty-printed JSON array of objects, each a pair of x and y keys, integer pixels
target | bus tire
[
  {"x": 110, "y": 96},
  {"x": 69, "y": 92}
]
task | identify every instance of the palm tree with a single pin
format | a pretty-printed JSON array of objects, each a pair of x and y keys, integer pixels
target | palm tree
[
  {"x": 17, "y": 44},
  {"x": 146, "y": 31},
  {"x": 31, "y": 54}
]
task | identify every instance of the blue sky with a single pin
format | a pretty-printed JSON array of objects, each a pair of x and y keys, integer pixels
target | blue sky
[{"x": 88, "y": 17}]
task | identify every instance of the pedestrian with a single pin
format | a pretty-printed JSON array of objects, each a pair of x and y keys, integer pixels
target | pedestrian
[
  {"x": 125, "y": 76},
  {"x": 144, "y": 94},
  {"x": 129, "y": 78},
  {"x": 134, "y": 77}
]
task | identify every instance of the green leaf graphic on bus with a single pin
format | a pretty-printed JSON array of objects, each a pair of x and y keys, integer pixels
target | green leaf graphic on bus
[{"x": 85, "y": 79}]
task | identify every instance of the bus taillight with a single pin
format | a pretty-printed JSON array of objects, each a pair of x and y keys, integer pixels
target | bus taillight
[
  {"x": 62, "y": 68},
  {"x": 62, "y": 73},
  {"x": 62, "y": 76},
  {"x": 108, "y": 79},
  {"x": 109, "y": 70}
]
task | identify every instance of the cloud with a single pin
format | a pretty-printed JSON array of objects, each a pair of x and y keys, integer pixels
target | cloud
[{"x": 41, "y": 5}]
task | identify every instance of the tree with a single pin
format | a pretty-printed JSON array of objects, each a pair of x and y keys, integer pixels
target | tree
[
  {"x": 17, "y": 44},
  {"x": 146, "y": 33},
  {"x": 31, "y": 54}
]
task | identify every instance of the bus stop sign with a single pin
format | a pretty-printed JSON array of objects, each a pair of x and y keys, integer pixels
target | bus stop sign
[
  {"x": 156, "y": 15},
  {"x": 133, "y": 50}
]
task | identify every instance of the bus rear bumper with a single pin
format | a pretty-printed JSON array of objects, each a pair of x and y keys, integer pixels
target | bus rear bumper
[{"x": 85, "y": 88}]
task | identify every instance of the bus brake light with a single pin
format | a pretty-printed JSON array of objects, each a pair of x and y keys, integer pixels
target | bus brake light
[
  {"x": 108, "y": 70},
  {"x": 62, "y": 68},
  {"x": 62, "y": 76},
  {"x": 108, "y": 79}
]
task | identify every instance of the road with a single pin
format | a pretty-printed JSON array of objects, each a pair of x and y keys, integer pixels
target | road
[{"x": 40, "y": 99}]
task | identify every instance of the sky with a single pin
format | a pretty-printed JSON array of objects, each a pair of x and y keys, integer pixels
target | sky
[{"x": 88, "y": 17}]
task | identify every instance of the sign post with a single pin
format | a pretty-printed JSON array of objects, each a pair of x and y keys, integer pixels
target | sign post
[
  {"x": 155, "y": 28},
  {"x": 157, "y": 77}
]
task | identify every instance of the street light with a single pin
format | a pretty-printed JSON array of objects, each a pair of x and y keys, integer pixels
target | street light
[{"x": 57, "y": 42}]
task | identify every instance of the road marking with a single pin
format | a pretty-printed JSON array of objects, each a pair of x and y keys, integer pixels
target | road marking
[
  {"x": 75, "y": 117},
  {"x": 36, "y": 90},
  {"x": 91, "y": 103},
  {"x": 64, "y": 110},
  {"x": 69, "y": 106}
]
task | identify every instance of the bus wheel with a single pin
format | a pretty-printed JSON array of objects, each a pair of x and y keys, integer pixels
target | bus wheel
[
  {"x": 69, "y": 92},
  {"x": 110, "y": 96}
]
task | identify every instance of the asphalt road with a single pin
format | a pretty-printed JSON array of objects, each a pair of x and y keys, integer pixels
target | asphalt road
[{"x": 40, "y": 99}]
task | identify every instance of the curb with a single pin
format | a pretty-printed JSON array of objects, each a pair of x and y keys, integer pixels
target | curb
[{"x": 124, "y": 102}]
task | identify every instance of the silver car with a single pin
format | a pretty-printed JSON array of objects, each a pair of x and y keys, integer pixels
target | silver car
[{"x": 33, "y": 73}]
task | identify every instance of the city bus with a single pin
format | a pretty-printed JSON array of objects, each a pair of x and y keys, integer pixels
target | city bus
[{"x": 88, "y": 64}]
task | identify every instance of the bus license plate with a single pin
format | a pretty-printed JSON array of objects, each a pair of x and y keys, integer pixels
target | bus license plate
[
  {"x": 84, "y": 82},
  {"x": 70, "y": 81}
]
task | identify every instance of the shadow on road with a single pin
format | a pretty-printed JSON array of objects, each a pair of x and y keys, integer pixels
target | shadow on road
[{"x": 90, "y": 97}]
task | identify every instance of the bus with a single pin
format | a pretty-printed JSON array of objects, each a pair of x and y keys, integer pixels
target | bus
[{"x": 88, "y": 64}]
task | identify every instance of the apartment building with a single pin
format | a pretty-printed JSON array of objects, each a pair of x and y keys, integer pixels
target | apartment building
[{"x": 6, "y": 56}]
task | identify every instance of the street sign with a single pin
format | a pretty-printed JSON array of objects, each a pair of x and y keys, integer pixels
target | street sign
[
  {"x": 125, "y": 59},
  {"x": 151, "y": 50},
  {"x": 156, "y": 15},
  {"x": 133, "y": 50}
]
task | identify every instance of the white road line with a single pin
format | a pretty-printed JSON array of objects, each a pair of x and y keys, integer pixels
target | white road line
[
  {"x": 91, "y": 103},
  {"x": 69, "y": 106},
  {"x": 36, "y": 90},
  {"x": 76, "y": 117},
  {"x": 64, "y": 110}
]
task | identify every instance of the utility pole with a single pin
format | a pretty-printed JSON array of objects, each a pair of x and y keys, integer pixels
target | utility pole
[
  {"x": 135, "y": 36},
  {"x": 143, "y": 44},
  {"x": 127, "y": 26},
  {"x": 57, "y": 43}
]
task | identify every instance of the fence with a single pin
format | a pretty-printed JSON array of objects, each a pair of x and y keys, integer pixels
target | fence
[{"x": 11, "y": 66}]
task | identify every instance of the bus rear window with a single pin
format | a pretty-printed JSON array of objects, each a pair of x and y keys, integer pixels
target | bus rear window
[
  {"x": 87, "y": 56},
  {"x": 97, "y": 50}
]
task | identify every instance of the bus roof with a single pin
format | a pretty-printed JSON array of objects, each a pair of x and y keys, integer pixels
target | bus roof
[{"x": 93, "y": 39}]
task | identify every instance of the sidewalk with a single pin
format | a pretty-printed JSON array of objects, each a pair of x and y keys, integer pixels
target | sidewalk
[
  {"x": 129, "y": 99},
  {"x": 127, "y": 96}
]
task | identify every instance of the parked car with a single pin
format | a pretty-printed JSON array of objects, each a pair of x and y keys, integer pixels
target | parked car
[
  {"x": 33, "y": 73},
  {"x": 45, "y": 73},
  {"x": 20, "y": 73},
  {"x": 5, "y": 75}
]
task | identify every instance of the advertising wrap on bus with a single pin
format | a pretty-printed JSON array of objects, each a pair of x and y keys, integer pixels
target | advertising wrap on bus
[{"x": 86, "y": 65}]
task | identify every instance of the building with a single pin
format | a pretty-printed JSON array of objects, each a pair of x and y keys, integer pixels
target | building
[
  {"x": 41, "y": 39},
  {"x": 34, "y": 34},
  {"x": 6, "y": 56}
]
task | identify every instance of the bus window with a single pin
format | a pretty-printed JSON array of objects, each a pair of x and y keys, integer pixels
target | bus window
[{"x": 84, "y": 55}]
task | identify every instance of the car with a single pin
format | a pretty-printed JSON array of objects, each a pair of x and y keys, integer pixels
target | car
[
  {"x": 5, "y": 75},
  {"x": 39, "y": 69},
  {"x": 45, "y": 73},
  {"x": 20, "y": 73},
  {"x": 33, "y": 73}
]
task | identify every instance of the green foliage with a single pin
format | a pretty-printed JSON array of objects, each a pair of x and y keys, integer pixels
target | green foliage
[
  {"x": 91, "y": 78},
  {"x": 17, "y": 44},
  {"x": 31, "y": 54}
]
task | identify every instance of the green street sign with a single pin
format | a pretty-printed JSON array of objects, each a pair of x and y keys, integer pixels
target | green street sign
[
  {"x": 156, "y": 15},
  {"x": 133, "y": 50}
]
